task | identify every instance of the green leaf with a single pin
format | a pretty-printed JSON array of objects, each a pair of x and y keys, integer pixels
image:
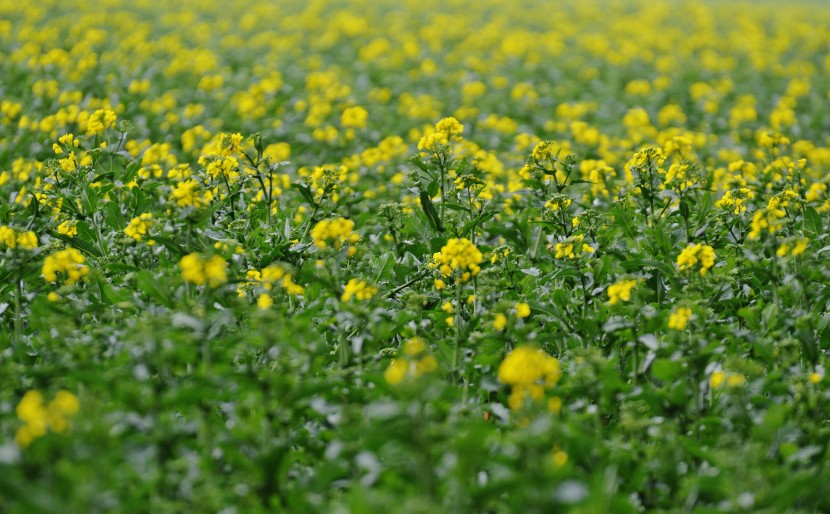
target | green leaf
[
  {"x": 75, "y": 242},
  {"x": 430, "y": 212},
  {"x": 813, "y": 220},
  {"x": 305, "y": 191},
  {"x": 666, "y": 370},
  {"x": 150, "y": 284}
]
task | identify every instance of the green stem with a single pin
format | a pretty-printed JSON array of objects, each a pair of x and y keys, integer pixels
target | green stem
[
  {"x": 442, "y": 169},
  {"x": 457, "y": 327},
  {"x": 343, "y": 349},
  {"x": 18, "y": 311},
  {"x": 310, "y": 221}
]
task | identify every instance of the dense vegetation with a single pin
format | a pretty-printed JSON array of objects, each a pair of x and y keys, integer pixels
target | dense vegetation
[{"x": 417, "y": 257}]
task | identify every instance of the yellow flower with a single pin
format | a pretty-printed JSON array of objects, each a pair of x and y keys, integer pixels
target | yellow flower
[
  {"x": 560, "y": 458},
  {"x": 528, "y": 371},
  {"x": 69, "y": 263},
  {"x": 139, "y": 226},
  {"x": 446, "y": 131},
  {"x": 735, "y": 380},
  {"x": 458, "y": 255},
  {"x": 415, "y": 363},
  {"x": 621, "y": 291},
  {"x": 395, "y": 372},
  {"x": 38, "y": 417},
  {"x": 697, "y": 254},
  {"x": 357, "y": 289},
  {"x": 717, "y": 379},
  {"x": 522, "y": 310},
  {"x": 68, "y": 228},
  {"x": 354, "y": 117},
  {"x": 333, "y": 232},
  {"x": 11, "y": 238},
  {"x": 555, "y": 405},
  {"x": 680, "y": 318},
  {"x": 99, "y": 121},
  {"x": 264, "y": 301},
  {"x": 414, "y": 346},
  {"x": 199, "y": 270},
  {"x": 815, "y": 378},
  {"x": 500, "y": 322}
]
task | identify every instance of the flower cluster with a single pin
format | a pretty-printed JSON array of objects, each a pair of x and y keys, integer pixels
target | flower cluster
[
  {"x": 266, "y": 279},
  {"x": 11, "y": 238},
  {"x": 358, "y": 289},
  {"x": 735, "y": 200},
  {"x": 620, "y": 291},
  {"x": 446, "y": 131},
  {"x": 720, "y": 378},
  {"x": 221, "y": 168},
  {"x": 139, "y": 226},
  {"x": 40, "y": 417},
  {"x": 459, "y": 255},
  {"x": 572, "y": 248},
  {"x": 528, "y": 371},
  {"x": 695, "y": 254},
  {"x": 190, "y": 193},
  {"x": 201, "y": 270},
  {"x": 679, "y": 318},
  {"x": 794, "y": 248},
  {"x": 334, "y": 232},
  {"x": 69, "y": 263},
  {"x": 100, "y": 120}
]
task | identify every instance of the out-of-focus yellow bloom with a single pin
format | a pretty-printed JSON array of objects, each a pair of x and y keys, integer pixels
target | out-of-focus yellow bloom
[
  {"x": 621, "y": 291},
  {"x": 679, "y": 318},
  {"x": 200, "y": 270},
  {"x": 38, "y": 417},
  {"x": 358, "y": 289},
  {"x": 697, "y": 254},
  {"x": 68, "y": 263},
  {"x": 529, "y": 371}
]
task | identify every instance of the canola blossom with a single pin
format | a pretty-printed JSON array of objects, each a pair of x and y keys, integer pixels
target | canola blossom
[{"x": 396, "y": 256}]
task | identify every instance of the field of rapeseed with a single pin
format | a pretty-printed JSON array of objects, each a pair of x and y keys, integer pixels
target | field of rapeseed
[{"x": 419, "y": 256}]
